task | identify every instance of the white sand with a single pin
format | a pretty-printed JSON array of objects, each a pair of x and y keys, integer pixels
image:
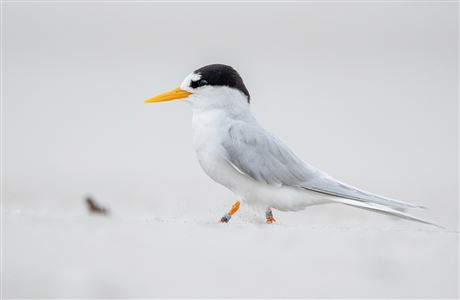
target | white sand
[{"x": 121, "y": 256}]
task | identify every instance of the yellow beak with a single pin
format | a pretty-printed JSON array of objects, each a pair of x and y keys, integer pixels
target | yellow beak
[{"x": 168, "y": 96}]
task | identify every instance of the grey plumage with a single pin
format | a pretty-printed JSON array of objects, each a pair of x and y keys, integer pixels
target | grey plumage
[
  {"x": 235, "y": 151},
  {"x": 261, "y": 156}
]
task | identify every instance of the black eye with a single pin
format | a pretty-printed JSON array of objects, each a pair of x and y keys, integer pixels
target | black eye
[{"x": 202, "y": 82}]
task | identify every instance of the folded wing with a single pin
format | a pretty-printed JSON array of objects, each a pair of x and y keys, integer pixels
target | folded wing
[{"x": 256, "y": 153}]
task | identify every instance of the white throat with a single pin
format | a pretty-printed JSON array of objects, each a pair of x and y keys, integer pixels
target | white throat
[{"x": 220, "y": 97}]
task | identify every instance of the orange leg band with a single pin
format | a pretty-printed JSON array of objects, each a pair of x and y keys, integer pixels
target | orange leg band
[
  {"x": 234, "y": 208},
  {"x": 231, "y": 212},
  {"x": 269, "y": 216}
]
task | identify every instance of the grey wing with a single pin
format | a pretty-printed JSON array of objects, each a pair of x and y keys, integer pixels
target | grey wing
[
  {"x": 331, "y": 186},
  {"x": 256, "y": 153}
]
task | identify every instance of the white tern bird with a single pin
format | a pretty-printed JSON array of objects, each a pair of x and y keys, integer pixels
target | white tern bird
[{"x": 235, "y": 151}]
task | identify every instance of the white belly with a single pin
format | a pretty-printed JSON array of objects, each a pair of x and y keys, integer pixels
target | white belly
[
  {"x": 254, "y": 193},
  {"x": 211, "y": 156}
]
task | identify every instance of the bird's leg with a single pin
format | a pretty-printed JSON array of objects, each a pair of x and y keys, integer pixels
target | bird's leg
[
  {"x": 269, "y": 216},
  {"x": 231, "y": 212}
]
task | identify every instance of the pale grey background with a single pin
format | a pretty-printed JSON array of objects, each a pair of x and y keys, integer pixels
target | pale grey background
[{"x": 368, "y": 92}]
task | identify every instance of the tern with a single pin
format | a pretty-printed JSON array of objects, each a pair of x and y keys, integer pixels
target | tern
[{"x": 238, "y": 153}]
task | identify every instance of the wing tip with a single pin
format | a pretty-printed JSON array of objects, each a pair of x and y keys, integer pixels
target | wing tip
[
  {"x": 386, "y": 210},
  {"x": 429, "y": 223}
]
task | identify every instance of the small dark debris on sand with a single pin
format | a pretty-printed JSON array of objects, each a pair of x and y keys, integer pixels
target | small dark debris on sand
[{"x": 94, "y": 207}]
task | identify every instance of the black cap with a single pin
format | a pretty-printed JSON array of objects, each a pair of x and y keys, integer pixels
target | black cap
[{"x": 220, "y": 75}]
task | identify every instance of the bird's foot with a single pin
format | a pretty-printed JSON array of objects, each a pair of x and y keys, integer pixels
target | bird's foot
[
  {"x": 269, "y": 216},
  {"x": 230, "y": 213},
  {"x": 270, "y": 220},
  {"x": 225, "y": 218}
]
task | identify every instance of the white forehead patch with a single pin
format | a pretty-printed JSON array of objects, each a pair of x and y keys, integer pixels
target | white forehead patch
[{"x": 185, "y": 85}]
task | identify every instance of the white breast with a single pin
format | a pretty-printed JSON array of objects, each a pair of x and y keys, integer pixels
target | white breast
[
  {"x": 209, "y": 128},
  {"x": 213, "y": 115}
]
